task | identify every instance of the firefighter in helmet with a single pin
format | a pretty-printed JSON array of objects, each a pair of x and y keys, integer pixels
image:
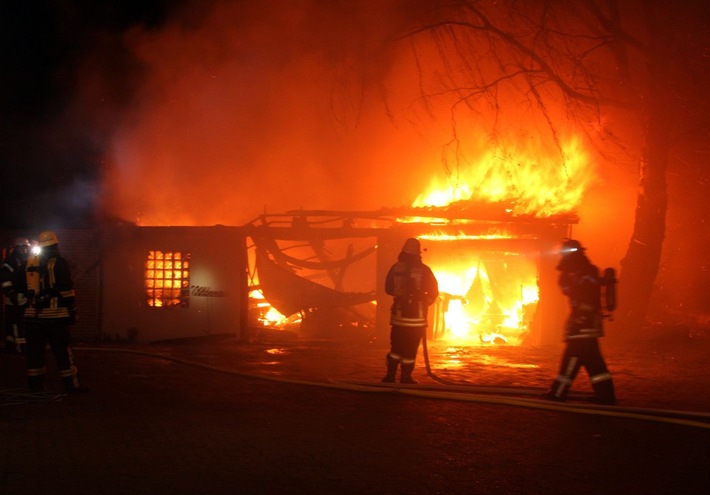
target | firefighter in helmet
[
  {"x": 49, "y": 316},
  {"x": 414, "y": 288},
  {"x": 580, "y": 281},
  {"x": 14, "y": 288}
]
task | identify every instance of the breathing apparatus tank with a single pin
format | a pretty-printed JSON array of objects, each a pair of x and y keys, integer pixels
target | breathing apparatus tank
[{"x": 608, "y": 283}]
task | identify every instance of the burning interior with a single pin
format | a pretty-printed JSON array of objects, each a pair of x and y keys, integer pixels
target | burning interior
[{"x": 321, "y": 272}]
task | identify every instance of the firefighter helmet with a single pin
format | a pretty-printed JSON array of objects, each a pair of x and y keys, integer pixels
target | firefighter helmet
[
  {"x": 412, "y": 246},
  {"x": 47, "y": 238},
  {"x": 570, "y": 246}
]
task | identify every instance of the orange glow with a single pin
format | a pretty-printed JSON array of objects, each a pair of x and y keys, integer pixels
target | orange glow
[
  {"x": 464, "y": 236},
  {"x": 453, "y": 357},
  {"x": 270, "y": 317},
  {"x": 533, "y": 181},
  {"x": 488, "y": 298},
  {"x": 273, "y": 318},
  {"x": 491, "y": 297}
]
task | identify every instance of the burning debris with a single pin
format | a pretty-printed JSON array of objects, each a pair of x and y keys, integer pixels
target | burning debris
[
  {"x": 488, "y": 269},
  {"x": 298, "y": 282}
]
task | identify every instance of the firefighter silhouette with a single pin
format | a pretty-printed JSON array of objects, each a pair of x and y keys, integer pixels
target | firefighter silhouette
[
  {"x": 14, "y": 288},
  {"x": 49, "y": 315},
  {"x": 580, "y": 281},
  {"x": 413, "y": 288}
]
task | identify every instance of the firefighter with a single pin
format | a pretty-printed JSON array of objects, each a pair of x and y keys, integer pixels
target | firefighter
[
  {"x": 49, "y": 316},
  {"x": 580, "y": 281},
  {"x": 14, "y": 288},
  {"x": 414, "y": 288}
]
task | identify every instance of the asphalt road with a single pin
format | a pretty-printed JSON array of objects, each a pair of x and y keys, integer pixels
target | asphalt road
[{"x": 226, "y": 418}]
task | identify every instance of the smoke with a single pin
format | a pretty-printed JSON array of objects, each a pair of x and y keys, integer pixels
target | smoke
[
  {"x": 226, "y": 110},
  {"x": 214, "y": 112},
  {"x": 248, "y": 107}
]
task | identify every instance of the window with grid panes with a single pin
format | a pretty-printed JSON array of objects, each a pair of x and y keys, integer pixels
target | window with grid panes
[{"x": 167, "y": 279}]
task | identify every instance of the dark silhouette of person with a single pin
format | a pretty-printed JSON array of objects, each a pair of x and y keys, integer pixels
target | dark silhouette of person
[
  {"x": 50, "y": 315},
  {"x": 580, "y": 281},
  {"x": 414, "y": 288},
  {"x": 14, "y": 287}
]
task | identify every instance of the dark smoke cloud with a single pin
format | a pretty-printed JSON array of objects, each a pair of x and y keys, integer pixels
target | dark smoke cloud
[
  {"x": 250, "y": 106},
  {"x": 49, "y": 143},
  {"x": 213, "y": 112}
]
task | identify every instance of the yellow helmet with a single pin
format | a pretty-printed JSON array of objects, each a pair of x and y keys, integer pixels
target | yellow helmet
[{"x": 47, "y": 238}]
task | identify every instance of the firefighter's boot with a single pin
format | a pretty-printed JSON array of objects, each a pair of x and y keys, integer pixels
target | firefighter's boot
[
  {"x": 604, "y": 393},
  {"x": 71, "y": 382},
  {"x": 558, "y": 391},
  {"x": 391, "y": 375},
  {"x": 406, "y": 377}
]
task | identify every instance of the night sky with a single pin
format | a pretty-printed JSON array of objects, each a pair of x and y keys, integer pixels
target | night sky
[{"x": 50, "y": 159}]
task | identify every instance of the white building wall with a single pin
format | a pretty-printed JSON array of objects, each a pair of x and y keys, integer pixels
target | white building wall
[{"x": 217, "y": 303}]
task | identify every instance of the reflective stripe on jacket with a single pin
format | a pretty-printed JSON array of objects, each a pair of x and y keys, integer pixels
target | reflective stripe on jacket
[{"x": 56, "y": 296}]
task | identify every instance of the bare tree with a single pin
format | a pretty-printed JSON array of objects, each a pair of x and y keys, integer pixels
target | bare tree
[{"x": 645, "y": 58}]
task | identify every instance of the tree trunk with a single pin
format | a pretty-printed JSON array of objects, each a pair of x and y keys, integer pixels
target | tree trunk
[{"x": 639, "y": 266}]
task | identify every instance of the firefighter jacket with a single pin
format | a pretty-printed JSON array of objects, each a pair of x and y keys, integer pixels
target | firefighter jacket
[
  {"x": 414, "y": 288},
  {"x": 14, "y": 283},
  {"x": 580, "y": 282},
  {"x": 55, "y": 299}
]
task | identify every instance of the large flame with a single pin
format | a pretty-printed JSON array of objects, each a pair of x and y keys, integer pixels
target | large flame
[
  {"x": 268, "y": 316},
  {"x": 485, "y": 296},
  {"x": 491, "y": 297},
  {"x": 535, "y": 181}
]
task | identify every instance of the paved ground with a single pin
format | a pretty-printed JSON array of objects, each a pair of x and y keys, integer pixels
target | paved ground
[{"x": 282, "y": 415}]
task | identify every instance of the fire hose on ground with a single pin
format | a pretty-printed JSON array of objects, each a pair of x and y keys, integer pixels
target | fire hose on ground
[{"x": 452, "y": 392}]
